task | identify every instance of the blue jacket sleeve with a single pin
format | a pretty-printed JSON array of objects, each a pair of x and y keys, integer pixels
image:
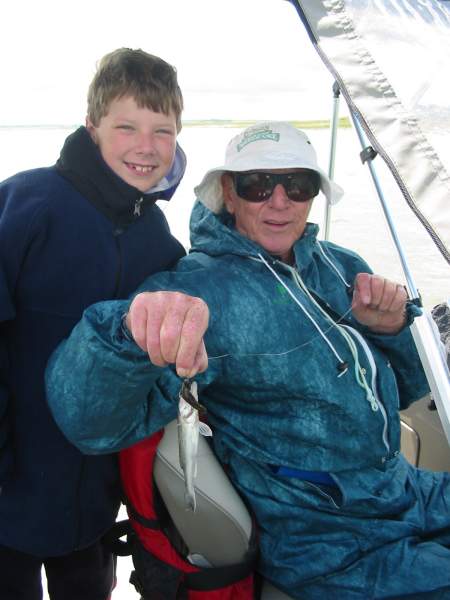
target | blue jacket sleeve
[
  {"x": 5, "y": 449},
  {"x": 7, "y": 313},
  {"x": 18, "y": 218},
  {"x": 102, "y": 389}
]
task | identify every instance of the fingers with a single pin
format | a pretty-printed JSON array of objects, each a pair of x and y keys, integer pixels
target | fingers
[
  {"x": 191, "y": 354},
  {"x": 169, "y": 326},
  {"x": 136, "y": 320},
  {"x": 378, "y": 293},
  {"x": 379, "y": 303}
]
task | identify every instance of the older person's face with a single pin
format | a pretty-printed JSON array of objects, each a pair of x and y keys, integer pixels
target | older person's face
[{"x": 275, "y": 224}]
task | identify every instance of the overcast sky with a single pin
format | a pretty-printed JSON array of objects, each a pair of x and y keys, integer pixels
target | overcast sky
[{"x": 235, "y": 58}]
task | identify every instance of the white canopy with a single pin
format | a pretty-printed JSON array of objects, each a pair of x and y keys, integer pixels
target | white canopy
[{"x": 390, "y": 59}]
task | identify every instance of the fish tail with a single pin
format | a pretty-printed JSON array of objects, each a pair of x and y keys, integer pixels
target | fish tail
[{"x": 189, "y": 500}]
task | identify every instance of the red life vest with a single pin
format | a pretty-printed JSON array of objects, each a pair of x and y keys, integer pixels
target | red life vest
[{"x": 161, "y": 567}]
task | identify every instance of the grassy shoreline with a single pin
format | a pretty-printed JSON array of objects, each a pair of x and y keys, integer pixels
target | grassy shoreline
[
  {"x": 241, "y": 124},
  {"x": 229, "y": 123}
]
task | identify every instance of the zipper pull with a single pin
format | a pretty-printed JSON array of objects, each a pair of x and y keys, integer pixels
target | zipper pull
[{"x": 137, "y": 207}]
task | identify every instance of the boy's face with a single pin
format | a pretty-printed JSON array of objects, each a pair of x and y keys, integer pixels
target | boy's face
[{"x": 136, "y": 143}]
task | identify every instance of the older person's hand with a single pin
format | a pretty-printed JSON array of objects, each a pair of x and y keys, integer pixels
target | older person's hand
[
  {"x": 169, "y": 326},
  {"x": 379, "y": 303}
]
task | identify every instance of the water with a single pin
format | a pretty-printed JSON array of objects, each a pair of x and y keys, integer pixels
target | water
[{"x": 357, "y": 221}]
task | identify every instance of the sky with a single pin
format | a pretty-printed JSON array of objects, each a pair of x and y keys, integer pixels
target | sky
[{"x": 236, "y": 59}]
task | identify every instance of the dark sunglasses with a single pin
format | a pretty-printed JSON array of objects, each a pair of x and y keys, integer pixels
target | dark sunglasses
[{"x": 258, "y": 186}]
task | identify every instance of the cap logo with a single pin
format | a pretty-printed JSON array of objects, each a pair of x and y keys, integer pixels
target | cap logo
[{"x": 255, "y": 134}]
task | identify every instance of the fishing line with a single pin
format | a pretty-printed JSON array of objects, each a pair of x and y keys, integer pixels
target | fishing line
[
  {"x": 359, "y": 371},
  {"x": 267, "y": 354},
  {"x": 304, "y": 309}
]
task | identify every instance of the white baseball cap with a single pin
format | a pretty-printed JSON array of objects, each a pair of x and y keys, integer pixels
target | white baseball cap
[{"x": 266, "y": 145}]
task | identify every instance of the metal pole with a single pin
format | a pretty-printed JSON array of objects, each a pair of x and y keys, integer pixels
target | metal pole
[
  {"x": 331, "y": 163},
  {"x": 367, "y": 155},
  {"x": 423, "y": 329}
]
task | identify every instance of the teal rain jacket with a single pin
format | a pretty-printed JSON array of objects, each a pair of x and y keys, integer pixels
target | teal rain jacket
[{"x": 285, "y": 387}]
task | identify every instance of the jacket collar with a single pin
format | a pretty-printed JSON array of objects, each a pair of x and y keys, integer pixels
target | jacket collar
[
  {"x": 215, "y": 234},
  {"x": 81, "y": 163}
]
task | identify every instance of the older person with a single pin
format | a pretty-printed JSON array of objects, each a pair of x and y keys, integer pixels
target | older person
[{"x": 310, "y": 359}]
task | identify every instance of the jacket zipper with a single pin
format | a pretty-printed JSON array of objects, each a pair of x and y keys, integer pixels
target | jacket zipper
[
  {"x": 138, "y": 206},
  {"x": 117, "y": 232}
]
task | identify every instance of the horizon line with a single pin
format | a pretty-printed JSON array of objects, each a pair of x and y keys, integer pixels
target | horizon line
[{"x": 232, "y": 123}]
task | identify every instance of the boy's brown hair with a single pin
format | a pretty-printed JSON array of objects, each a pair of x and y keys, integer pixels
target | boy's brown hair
[{"x": 150, "y": 80}]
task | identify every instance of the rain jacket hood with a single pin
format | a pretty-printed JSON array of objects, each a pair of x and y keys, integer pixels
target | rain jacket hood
[
  {"x": 82, "y": 164},
  {"x": 215, "y": 235}
]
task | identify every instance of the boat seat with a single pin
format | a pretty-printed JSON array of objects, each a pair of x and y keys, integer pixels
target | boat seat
[{"x": 218, "y": 532}]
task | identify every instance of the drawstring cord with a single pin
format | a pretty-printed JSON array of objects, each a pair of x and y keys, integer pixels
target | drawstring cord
[
  {"x": 297, "y": 301},
  {"x": 343, "y": 366},
  {"x": 359, "y": 372},
  {"x": 332, "y": 265}
]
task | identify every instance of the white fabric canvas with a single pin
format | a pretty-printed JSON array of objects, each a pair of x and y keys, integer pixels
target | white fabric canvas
[{"x": 391, "y": 61}]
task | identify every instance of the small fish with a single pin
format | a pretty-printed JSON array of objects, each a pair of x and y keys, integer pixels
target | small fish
[{"x": 188, "y": 432}]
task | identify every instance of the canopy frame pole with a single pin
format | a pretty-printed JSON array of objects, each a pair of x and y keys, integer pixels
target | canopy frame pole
[
  {"x": 332, "y": 158},
  {"x": 423, "y": 328},
  {"x": 367, "y": 156}
]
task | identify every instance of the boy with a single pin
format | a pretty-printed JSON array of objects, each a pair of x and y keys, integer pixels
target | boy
[{"x": 84, "y": 230}]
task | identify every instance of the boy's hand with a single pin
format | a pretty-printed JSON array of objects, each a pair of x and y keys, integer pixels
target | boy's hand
[
  {"x": 379, "y": 303},
  {"x": 169, "y": 326}
]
